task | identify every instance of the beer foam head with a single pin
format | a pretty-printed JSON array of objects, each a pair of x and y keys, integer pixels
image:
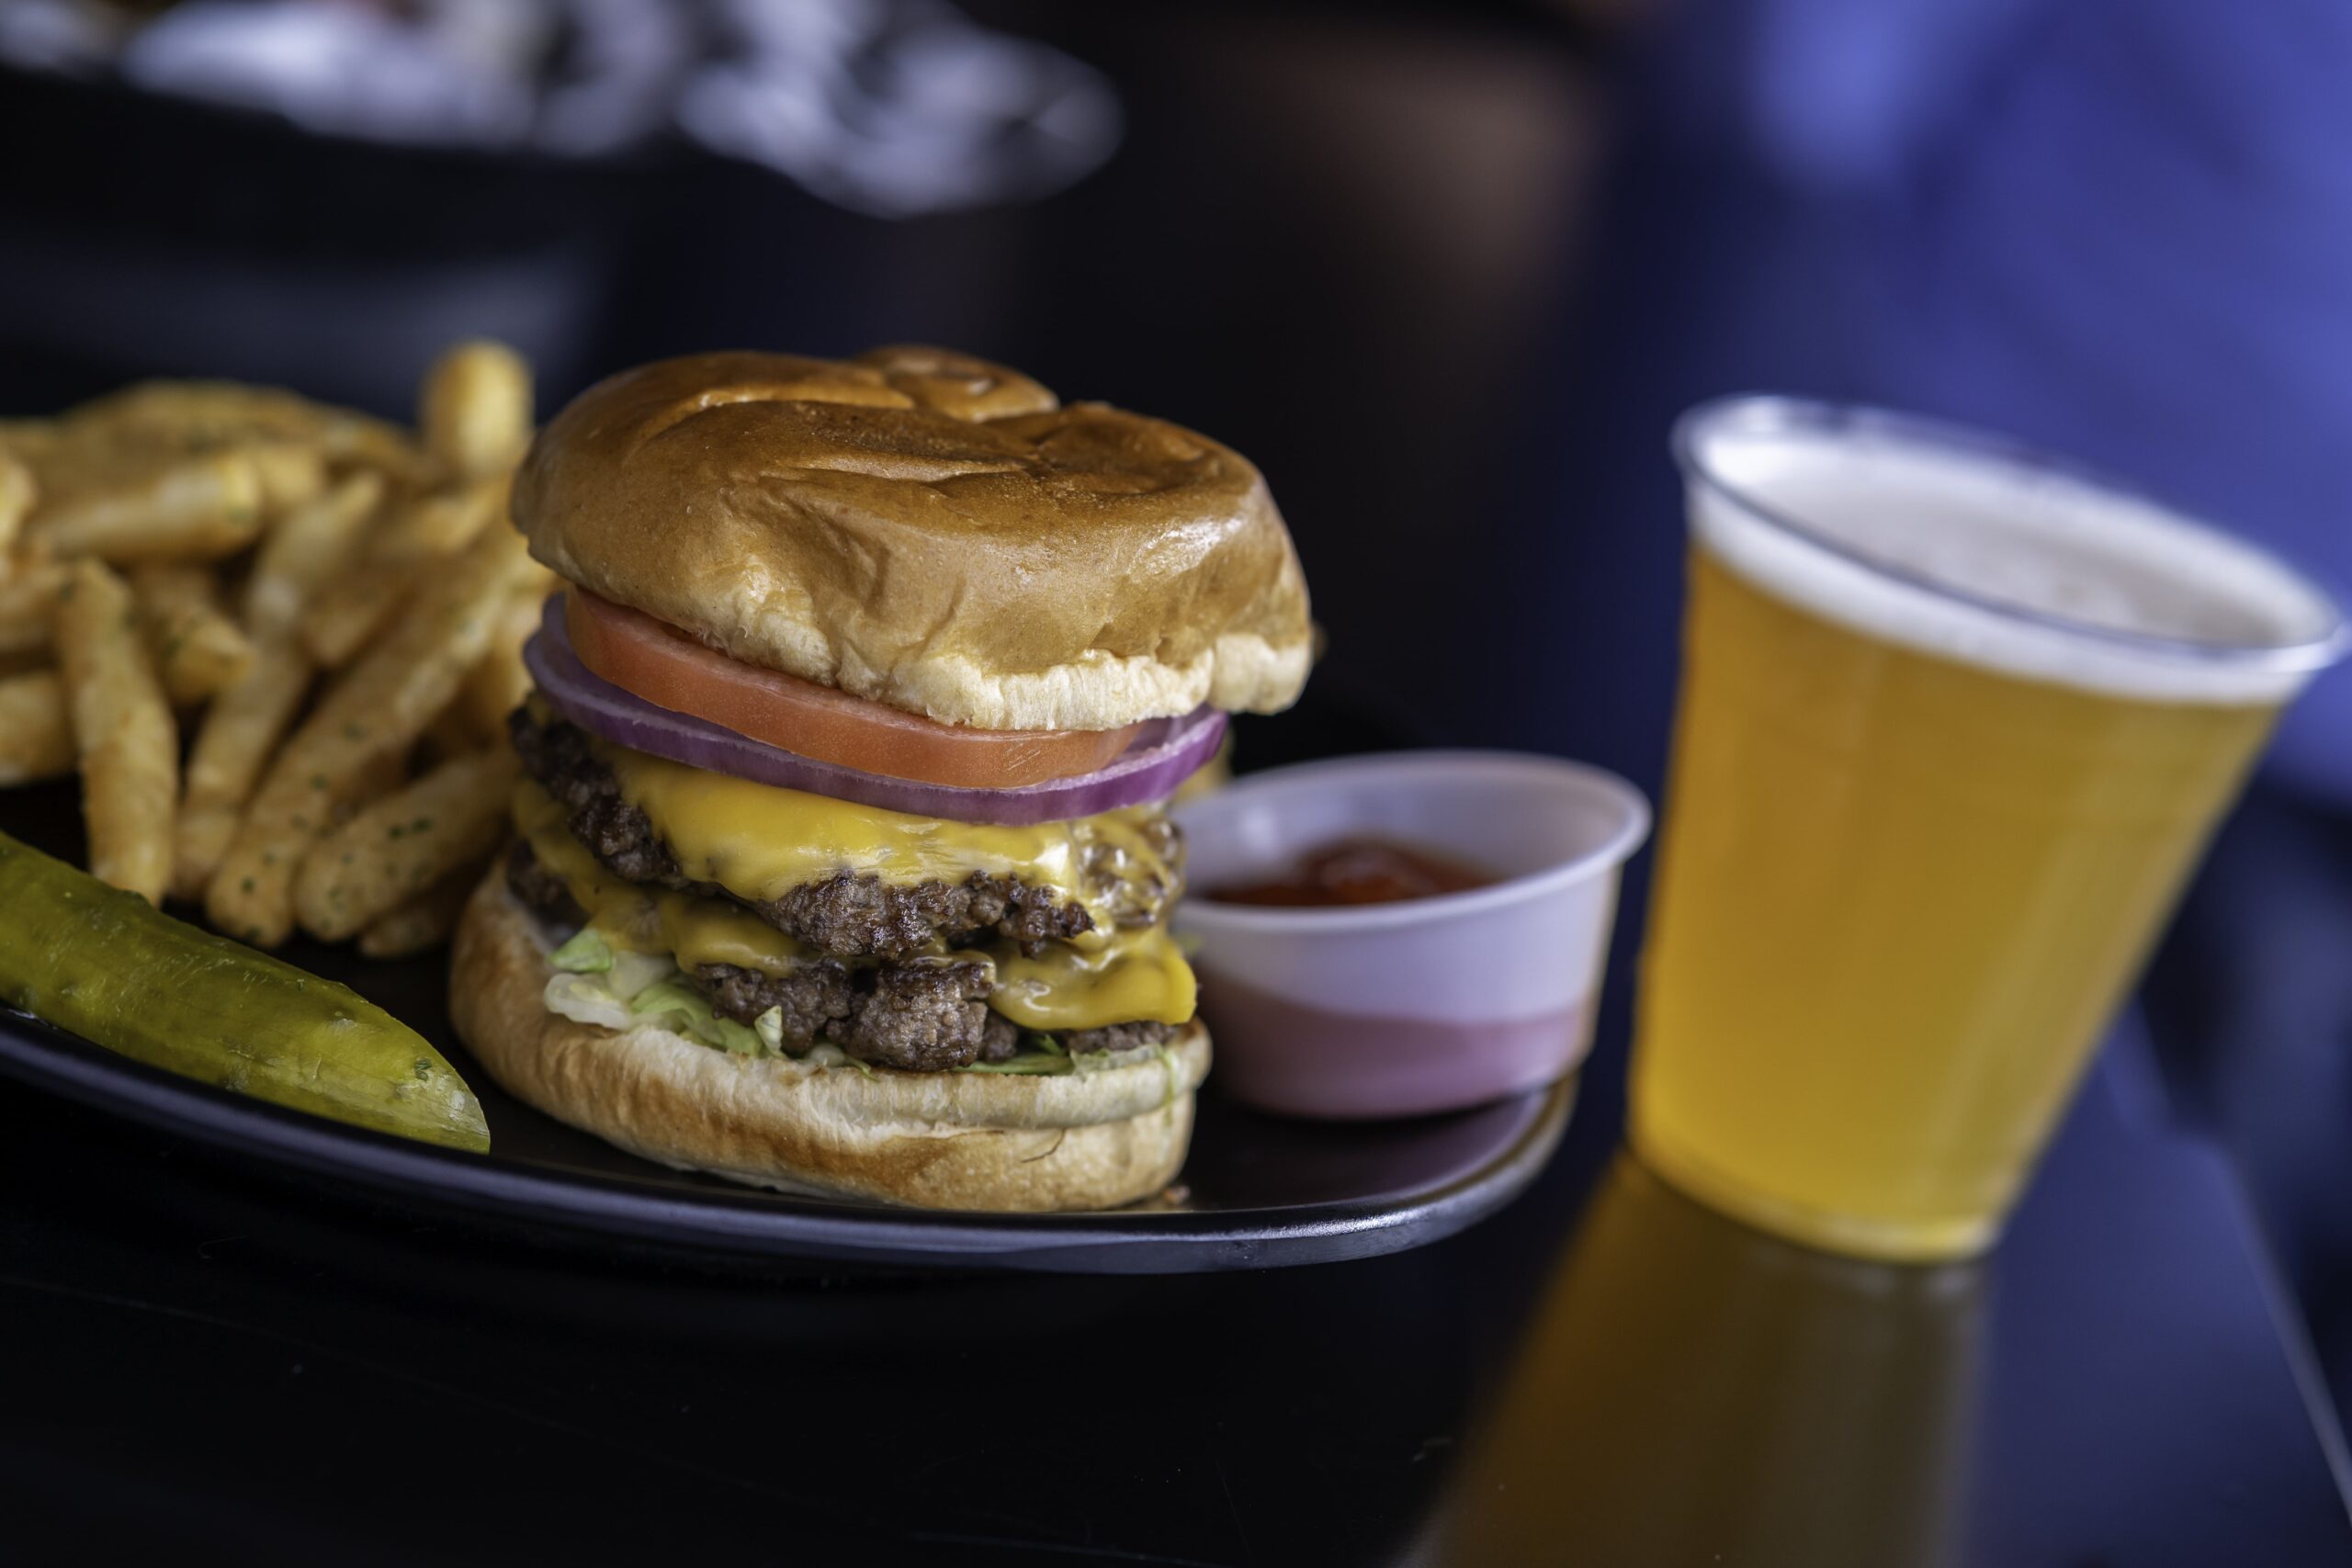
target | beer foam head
[{"x": 1945, "y": 543}]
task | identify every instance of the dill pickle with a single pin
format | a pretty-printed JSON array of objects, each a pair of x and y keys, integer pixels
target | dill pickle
[{"x": 121, "y": 973}]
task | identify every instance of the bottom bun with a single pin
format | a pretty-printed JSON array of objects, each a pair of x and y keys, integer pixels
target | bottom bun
[{"x": 1088, "y": 1140}]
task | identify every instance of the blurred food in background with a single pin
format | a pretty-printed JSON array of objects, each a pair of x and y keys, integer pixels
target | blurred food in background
[
  {"x": 321, "y": 194},
  {"x": 889, "y": 106},
  {"x": 329, "y": 607}
]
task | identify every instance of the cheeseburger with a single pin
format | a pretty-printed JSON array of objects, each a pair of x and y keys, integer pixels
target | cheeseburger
[{"x": 842, "y": 859}]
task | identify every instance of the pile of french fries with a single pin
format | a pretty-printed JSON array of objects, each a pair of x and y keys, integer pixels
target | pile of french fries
[{"x": 321, "y": 613}]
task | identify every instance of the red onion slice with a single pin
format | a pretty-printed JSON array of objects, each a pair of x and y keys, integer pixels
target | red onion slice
[{"x": 1165, "y": 752}]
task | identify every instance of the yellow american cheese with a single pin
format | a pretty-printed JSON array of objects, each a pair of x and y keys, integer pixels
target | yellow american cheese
[
  {"x": 758, "y": 841},
  {"x": 1139, "y": 975},
  {"x": 1122, "y": 976},
  {"x": 650, "y": 920}
]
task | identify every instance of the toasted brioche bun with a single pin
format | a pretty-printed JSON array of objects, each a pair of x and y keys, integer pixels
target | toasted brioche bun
[
  {"x": 929, "y": 531},
  {"x": 936, "y": 1140}
]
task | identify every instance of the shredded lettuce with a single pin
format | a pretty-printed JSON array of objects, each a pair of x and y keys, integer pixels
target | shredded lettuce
[
  {"x": 677, "y": 1005},
  {"x": 586, "y": 953},
  {"x": 670, "y": 997},
  {"x": 632, "y": 972},
  {"x": 731, "y": 1036},
  {"x": 1028, "y": 1063},
  {"x": 584, "y": 998},
  {"x": 637, "y": 988},
  {"x": 615, "y": 987}
]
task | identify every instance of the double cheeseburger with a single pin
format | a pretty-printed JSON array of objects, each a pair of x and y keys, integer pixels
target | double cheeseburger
[{"x": 842, "y": 859}]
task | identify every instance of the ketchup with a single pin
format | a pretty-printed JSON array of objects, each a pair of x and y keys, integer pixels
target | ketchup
[{"x": 1359, "y": 871}]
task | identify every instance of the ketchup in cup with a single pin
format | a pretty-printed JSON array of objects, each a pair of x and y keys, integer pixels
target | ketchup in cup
[
  {"x": 1401, "y": 934},
  {"x": 1360, "y": 870}
]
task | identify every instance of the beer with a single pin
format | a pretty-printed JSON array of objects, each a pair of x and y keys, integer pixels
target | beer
[
  {"x": 1953, "y": 730},
  {"x": 1689, "y": 1391}
]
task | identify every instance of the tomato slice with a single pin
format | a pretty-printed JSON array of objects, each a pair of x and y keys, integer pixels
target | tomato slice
[{"x": 667, "y": 668}]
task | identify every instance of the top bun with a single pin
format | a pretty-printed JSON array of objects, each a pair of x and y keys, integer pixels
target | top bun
[{"x": 927, "y": 530}]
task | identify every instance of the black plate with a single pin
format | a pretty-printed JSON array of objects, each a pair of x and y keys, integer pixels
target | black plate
[{"x": 1259, "y": 1190}]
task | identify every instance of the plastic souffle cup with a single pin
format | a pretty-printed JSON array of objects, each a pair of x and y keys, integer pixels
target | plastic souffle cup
[{"x": 1427, "y": 1004}]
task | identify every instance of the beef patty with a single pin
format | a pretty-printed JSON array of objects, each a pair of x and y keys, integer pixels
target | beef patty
[
  {"x": 922, "y": 1015},
  {"x": 845, "y": 914}
]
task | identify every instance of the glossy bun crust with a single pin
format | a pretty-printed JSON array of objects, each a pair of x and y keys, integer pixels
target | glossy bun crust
[
  {"x": 929, "y": 531},
  {"x": 937, "y": 1140}
]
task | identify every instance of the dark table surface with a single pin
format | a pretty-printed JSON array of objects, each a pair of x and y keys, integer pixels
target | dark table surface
[{"x": 224, "y": 1363}]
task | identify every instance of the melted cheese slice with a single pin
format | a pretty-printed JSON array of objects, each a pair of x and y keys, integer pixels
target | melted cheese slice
[
  {"x": 758, "y": 841},
  {"x": 650, "y": 919},
  {"x": 1140, "y": 976},
  {"x": 1130, "y": 976}
]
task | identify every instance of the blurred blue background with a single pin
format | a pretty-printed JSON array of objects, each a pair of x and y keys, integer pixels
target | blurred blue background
[{"x": 1446, "y": 272}]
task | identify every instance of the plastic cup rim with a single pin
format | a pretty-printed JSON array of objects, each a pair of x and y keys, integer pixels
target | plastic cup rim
[
  {"x": 1774, "y": 410},
  {"x": 1624, "y": 838}
]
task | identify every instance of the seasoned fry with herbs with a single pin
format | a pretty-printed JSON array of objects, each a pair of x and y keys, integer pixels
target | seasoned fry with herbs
[
  {"x": 440, "y": 523},
  {"x": 351, "y": 610},
  {"x": 198, "y": 649},
  {"x": 233, "y": 746},
  {"x": 380, "y": 707},
  {"x": 475, "y": 413},
  {"x": 290, "y": 474},
  {"x": 401, "y": 845},
  {"x": 336, "y": 604},
  {"x": 306, "y": 549},
  {"x": 498, "y": 682},
  {"x": 201, "y": 509},
  {"x": 29, "y": 608},
  {"x": 36, "y": 738},
  {"x": 150, "y": 418},
  {"x": 122, "y": 733},
  {"x": 424, "y": 921},
  {"x": 17, "y": 493}
]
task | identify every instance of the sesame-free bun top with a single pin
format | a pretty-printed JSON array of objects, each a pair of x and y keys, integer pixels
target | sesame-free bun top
[{"x": 929, "y": 531}]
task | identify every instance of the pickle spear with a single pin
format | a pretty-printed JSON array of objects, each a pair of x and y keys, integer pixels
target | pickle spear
[{"x": 121, "y": 973}]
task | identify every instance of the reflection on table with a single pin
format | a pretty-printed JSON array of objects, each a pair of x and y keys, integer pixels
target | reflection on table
[{"x": 1693, "y": 1392}]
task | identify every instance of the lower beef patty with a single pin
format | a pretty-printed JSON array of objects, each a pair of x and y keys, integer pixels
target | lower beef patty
[
  {"x": 922, "y": 1015},
  {"x": 846, "y": 916}
]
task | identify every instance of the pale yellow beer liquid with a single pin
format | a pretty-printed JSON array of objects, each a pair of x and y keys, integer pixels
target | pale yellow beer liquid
[{"x": 1898, "y": 899}]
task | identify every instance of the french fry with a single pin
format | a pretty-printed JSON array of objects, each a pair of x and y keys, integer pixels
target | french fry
[
  {"x": 360, "y": 600},
  {"x": 185, "y": 416},
  {"x": 306, "y": 549},
  {"x": 201, "y": 509},
  {"x": 351, "y": 609},
  {"x": 380, "y": 705},
  {"x": 122, "y": 733},
  {"x": 475, "y": 411},
  {"x": 35, "y": 737},
  {"x": 198, "y": 649},
  {"x": 441, "y": 523},
  {"x": 422, "y": 923},
  {"x": 28, "y": 438},
  {"x": 381, "y": 777},
  {"x": 498, "y": 684},
  {"x": 28, "y": 607},
  {"x": 240, "y": 729},
  {"x": 451, "y": 819},
  {"x": 291, "y": 473},
  {"x": 16, "y": 492}
]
